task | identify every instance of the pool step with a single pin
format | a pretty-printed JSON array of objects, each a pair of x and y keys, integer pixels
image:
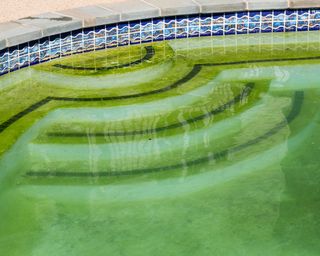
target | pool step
[{"x": 215, "y": 142}]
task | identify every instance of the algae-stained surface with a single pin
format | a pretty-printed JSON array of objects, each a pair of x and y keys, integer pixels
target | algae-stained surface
[{"x": 205, "y": 146}]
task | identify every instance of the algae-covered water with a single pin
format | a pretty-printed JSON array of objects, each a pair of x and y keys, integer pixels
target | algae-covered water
[{"x": 205, "y": 146}]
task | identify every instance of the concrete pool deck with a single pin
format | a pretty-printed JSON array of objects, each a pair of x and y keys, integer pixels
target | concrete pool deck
[{"x": 57, "y": 18}]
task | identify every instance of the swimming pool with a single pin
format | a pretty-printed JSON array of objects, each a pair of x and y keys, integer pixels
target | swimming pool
[{"x": 184, "y": 147}]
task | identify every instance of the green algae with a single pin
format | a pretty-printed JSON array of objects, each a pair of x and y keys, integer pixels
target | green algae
[
  {"x": 33, "y": 91},
  {"x": 259, "y": 198}
]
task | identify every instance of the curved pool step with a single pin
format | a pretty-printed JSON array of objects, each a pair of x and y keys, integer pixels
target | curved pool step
[
  {"x": 200, "y": 105},
  {"x": 150, "y": 52}
]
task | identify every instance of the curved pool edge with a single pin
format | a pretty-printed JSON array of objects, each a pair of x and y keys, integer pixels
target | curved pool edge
[{"x": 33, "y": 40}]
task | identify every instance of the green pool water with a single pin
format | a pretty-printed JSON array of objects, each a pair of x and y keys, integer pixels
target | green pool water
[{"x": 203, "y": 146}]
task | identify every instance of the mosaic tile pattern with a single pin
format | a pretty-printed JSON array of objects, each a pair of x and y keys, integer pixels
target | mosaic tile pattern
[{"x": 136, "y": 32}]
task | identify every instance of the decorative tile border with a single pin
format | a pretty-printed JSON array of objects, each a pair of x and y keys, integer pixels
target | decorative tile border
[{"x": 156, "y": 29}]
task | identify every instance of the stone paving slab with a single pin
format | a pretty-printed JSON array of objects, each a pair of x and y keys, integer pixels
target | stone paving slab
[
  {"x": 210, "y": 6},
  {"x": 175, "y": 7},
  {"x": 93, "y": 15},
  {"x": 15, "y": 33},
  {"x": 303, "y": 3},
  {"x": 133, "y": 9},
  {"x": 3, "y": 44},
  {"x": 267, "y": 4},
  {"x": 52, "y": 23}
]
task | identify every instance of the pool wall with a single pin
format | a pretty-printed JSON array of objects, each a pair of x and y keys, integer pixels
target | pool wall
[{"x": 37, "y": 39}]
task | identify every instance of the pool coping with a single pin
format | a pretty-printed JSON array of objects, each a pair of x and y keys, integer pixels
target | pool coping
[{"x": 47, "y": 24}]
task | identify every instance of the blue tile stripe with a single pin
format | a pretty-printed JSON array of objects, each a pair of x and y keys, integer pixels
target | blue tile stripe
[{"x": 157, "y": 29}]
